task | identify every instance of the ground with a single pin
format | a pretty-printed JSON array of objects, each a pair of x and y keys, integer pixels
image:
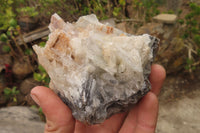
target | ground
[{"x": 179, "y": 108}]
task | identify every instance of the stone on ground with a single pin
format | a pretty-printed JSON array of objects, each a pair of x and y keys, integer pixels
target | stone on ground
[
  {"x": 18, "y": 119},
  {"x": 166, "y": 18}
]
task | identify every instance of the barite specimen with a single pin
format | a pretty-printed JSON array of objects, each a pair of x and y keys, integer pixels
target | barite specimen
[{"x": 95, "y": 69}]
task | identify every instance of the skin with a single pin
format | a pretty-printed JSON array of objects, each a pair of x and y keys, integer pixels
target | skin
[{"x": 142, "y": 118}]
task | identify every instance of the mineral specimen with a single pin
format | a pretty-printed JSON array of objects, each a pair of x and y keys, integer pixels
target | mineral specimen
[{"x": 95, "y": 69}]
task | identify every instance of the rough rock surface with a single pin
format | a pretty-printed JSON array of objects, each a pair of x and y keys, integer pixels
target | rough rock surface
[
  {"x": 20, "y": 120},
  {"x": 27, "y": 85},
  {"x": 21, "y": 69},
  {"x": 97, "y": 70}
]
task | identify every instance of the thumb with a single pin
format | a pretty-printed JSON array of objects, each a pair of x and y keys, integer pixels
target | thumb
[{"x": 58, "y": 116}]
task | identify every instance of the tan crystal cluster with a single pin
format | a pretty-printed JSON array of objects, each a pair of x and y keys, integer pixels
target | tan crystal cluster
[{"x": 97, "y": 70}]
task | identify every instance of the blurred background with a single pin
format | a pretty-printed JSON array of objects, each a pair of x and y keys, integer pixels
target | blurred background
[{"x": 24, "y": 23}]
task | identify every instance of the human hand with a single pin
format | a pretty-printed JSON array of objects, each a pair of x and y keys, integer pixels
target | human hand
[{"x": 140, "y": 119}]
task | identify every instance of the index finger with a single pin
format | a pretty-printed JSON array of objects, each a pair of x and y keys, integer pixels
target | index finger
[{"x": 157, "y": 78}]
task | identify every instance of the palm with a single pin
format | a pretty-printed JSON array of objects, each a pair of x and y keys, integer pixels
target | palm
[{"x": 140, "y": 119}]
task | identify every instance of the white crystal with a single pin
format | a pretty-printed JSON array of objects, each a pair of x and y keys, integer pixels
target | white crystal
[{"x": 92, "y": 66}]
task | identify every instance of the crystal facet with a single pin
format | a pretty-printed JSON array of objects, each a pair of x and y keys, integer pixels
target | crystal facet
[{"x": 97, "y": 70}]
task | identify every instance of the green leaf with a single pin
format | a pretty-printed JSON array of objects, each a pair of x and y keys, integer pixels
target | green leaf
[
  {"x": 14, "y": 90},
  {"x": 16, "y": 33},
  {"x": 187, "y": 67},
  {"x": 48, "y": 13},
  {"x": 194, "y": 30},
  {"x": 11, "y": 29},
  {"x": 180, "y": 11},
  {"x": 198, "y": 52},
  {"x": 3, "y": 37},
  {"x": 10, "y": 2},
  {"x": 6, "y": 13},
  {"x": 7, "y": 91},
  {"x": 140, "y": 4},
  {"x": 195, "y": 8},
  {"x": 185, "y": 35},
  {"x": 28, "y": 11},
  {"x": 46, "y": 86},
  {"x": 17, "y": 92},
  {"x": 21, "y": 1},
  {"x": 59, "y": 12},
  {"x": 193, "y": 68},
  {"x": 6, "y": 48},
  {"x": 14, "y": 99},
  {"x": 43, "y": 76},
  {"x": 13, "y": 22},
  {"x": 189, "y": 61},
  {"x": 116, "y": 11},
  {"x": 122, "y": 2},
  {"x": 47, "y": 80},
  {"x": 37, "y": 76},
  {"x": 181, "y": 21},
  {"x": 34, "y": 106},
  {"x": 170, "y": 12},
  {"x": 197, "y": 39},
  {"x": 189, "y": 16},
  {"x": 41, "y": 69},
  {"x": 8, "y": 33},
  {"x": 42, "y": 44},
  {"x": 40, "y": 110},
  {"x": 28, "y": 52}
]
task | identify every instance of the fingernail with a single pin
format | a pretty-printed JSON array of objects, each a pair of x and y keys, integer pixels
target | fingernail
[{"x": 35, "y": 99}]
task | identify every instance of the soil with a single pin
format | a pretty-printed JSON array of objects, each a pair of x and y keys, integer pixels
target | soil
[{"x": 179, "y": 108}]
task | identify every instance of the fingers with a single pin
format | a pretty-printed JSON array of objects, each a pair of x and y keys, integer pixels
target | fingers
[
  {"x": 147, "y": 114},
  {"x": 114, "y": 123},
  {"x": 58, "y": 115},
  {"x": 143, "y": 117},
  {"x": 130, "y": 122},
  {"x": 111, "y": 125},
  {"x": 157, "y": 78},
  {"x": 80, "y": 127}
]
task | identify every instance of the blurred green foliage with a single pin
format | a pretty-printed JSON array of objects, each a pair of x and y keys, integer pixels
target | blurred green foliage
[
  {"x": 6, "y": 13},
  {"x": 27, "y": 11},
  {"x": 42, "y": 44},
  {"x": 116, "y": 11},
  {"x": 41, "y": 76},
  {"x": 11, "y": 93},
  {"x": 39, "y": 9},
  {"x": 192, "y": 33},
  {"x": 9, "y": 36},
  {"x": 3, "y": 37},
  {"x": 192, "y": 22},
  {"x": 42, "y": 9},
  {"x": 146, "y": 8},
  {"x": 6, "y": 48},
  {"x": 28, "y": 51}
]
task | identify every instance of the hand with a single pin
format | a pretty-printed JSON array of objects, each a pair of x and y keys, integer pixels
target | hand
[{"x": 140, "y": 119}]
